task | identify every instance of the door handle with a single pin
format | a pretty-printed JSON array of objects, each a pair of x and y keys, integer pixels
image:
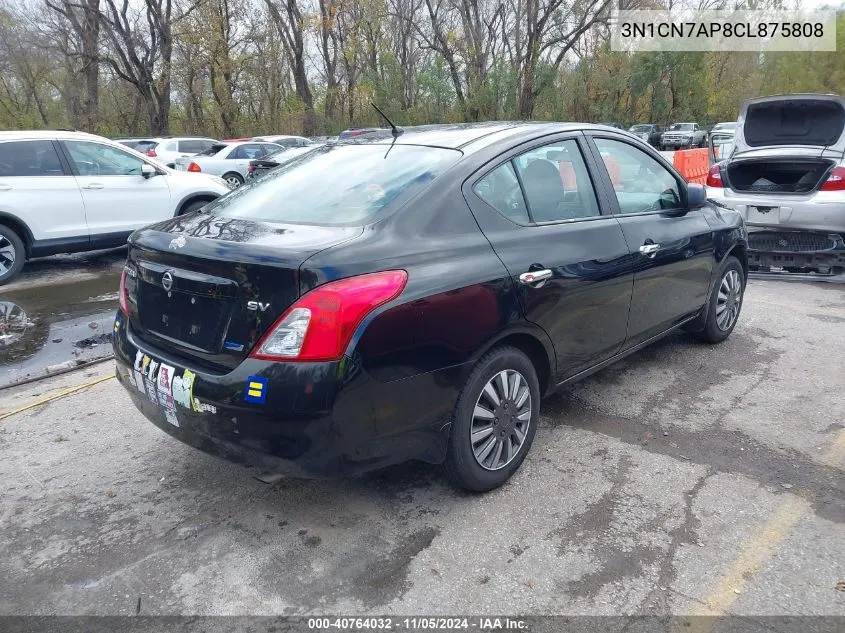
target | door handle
[
  {"x": 93, "y": 185},
  {"x": 534, "y": 276},
  {"x": 649, "y": 250}
]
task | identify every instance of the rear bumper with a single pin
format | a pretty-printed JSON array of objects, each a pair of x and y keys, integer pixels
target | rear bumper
[
  {"x": 796, "y": 251},
  {"x": 307, "y": 419}
]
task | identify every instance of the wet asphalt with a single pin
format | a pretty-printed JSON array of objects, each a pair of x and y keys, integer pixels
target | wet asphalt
[
  {"x": 687, "y": 479},
  {"x": 58, "y": 313}
]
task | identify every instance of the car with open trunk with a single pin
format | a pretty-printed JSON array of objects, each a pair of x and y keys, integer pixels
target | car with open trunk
[{"x": 786, "y": 175}]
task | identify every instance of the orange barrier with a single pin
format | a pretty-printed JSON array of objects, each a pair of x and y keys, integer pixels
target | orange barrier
[{"x": 693, "y": 164}]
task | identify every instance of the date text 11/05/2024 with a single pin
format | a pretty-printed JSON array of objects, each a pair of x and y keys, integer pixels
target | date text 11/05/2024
[{"x": 416, "y": 624}]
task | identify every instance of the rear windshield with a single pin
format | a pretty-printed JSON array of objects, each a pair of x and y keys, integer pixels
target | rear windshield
[
  {"x": 337, "y": 184},
  {"x": 640, "y": 128}
]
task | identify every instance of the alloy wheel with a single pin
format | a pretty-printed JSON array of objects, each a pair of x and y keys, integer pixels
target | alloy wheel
[
  {"x": 500, "y": 419},
  {"x": 7, "y": 255},
  {"x": 233, "y": 181},
  {"x": 728, "y": 300}
]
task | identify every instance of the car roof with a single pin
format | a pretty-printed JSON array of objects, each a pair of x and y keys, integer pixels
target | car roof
[
  {"x": 161, "y": 139},
  {"x": 260, "y": 136},
  {"x": 467, "y": 136},
  {"x": 50, "y": 134}
]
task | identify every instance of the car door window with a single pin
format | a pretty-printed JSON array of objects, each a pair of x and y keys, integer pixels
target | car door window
[
  {"x": 639, "y": 181},
  {"x": 500, "y": 189},
  {"x": 29, "y": 158},
  {"x": 246, "y": 152},
  {"x": 95, "y": 159},
  {"x": 556, "y": 183}
]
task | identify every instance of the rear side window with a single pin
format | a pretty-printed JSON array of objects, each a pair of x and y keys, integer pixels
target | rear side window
[
  {"x": 337, "y": 184},
  {"x": 29, "y": 158},
  {"x": 500, "y": 189},
  {"x": 247, "y": 152}
]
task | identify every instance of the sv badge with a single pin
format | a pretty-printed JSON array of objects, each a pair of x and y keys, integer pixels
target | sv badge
[{"x": 257, "y": 306}]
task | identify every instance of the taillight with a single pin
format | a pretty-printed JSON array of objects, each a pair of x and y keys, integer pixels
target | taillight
[
  {"x": 714, "y": 177},
  {"x": 251, "y": 168},
  {"x": 319, "y": 326},
  {"x": 836, "y": 180},
  {"x": 123, "y": 300},
  {"x": 194, "y": 168},
  {"x": 151, "y": 153}
]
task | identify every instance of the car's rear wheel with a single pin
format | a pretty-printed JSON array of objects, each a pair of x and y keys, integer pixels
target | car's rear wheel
[
  {"x": 725, "y": 302},
  {"x": 12, "y": 254},
  {"x": 233, "y": 179},
  {"x": 494, "y": 422}
]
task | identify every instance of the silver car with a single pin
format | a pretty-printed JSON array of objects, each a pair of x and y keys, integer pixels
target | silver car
[
  {"x": 230, "y": 161},
  {"x": 786, "y": 175}
]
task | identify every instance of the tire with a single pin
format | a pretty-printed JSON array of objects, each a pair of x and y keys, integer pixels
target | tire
[
  {"x": 12, "y": 254},
  {"x": 462, "y": 466},
  {"x": 234, "y": 179},
  {"x": 193, "y": 206},
  {"x": 716, "y": 327}
]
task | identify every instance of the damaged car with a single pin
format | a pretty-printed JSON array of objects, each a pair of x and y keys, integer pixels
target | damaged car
[{"x": 786, "y": 176}]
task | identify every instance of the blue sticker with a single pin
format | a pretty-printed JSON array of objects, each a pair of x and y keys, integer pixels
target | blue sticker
[
  {"x": 235, "y": 347},
  {"x": 256, "y": 389}
]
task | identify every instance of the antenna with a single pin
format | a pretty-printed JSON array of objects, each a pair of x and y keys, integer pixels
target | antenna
[{"x": 396, "y": 131}]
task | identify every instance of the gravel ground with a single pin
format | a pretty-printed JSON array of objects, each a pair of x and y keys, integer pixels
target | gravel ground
[{"x": 687, "y": 479}]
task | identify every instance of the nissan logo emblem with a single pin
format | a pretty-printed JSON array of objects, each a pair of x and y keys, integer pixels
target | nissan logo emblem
[{"x": 167, "y": 281}]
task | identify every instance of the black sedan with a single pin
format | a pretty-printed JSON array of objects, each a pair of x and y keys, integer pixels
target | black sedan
[{"x": 416, "y": 297}]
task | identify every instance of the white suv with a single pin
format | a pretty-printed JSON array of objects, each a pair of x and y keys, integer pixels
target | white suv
[
  {"x": 64, "y": 192},
  {"x": 166, "y": 150}
]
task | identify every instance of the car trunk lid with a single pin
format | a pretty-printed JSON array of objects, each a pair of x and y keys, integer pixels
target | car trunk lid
[
  {"x": 815, "y": 122},
  {"x": 208, "y": 287}
]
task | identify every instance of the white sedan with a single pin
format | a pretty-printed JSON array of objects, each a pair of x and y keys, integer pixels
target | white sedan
[{"x": 227, "y": 160}]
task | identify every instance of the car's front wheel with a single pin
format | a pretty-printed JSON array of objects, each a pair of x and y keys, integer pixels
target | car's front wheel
[
  {"x": 495, "y": 421},
  {"x": 725, "y": 303},
  {"x": 12, "y": 254}
]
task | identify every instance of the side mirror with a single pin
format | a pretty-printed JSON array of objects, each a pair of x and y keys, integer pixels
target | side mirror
[
  {"x": 148, "y": 171},
  {"x": 696, "y": 195}
]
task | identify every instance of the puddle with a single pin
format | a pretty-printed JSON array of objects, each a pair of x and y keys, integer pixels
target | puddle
[{"x": 49, "y": 325}]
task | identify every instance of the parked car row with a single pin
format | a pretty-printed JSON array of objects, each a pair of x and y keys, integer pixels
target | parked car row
[
  {"x": 64, "y": 192},
  {"x": 169, "y": 150},
  {"x": 677, "y": 136}
]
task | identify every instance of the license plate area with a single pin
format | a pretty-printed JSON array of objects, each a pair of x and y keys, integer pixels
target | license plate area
[
  {"x": 762, "y": 215},
  {"x": 197, "y": 322}
]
